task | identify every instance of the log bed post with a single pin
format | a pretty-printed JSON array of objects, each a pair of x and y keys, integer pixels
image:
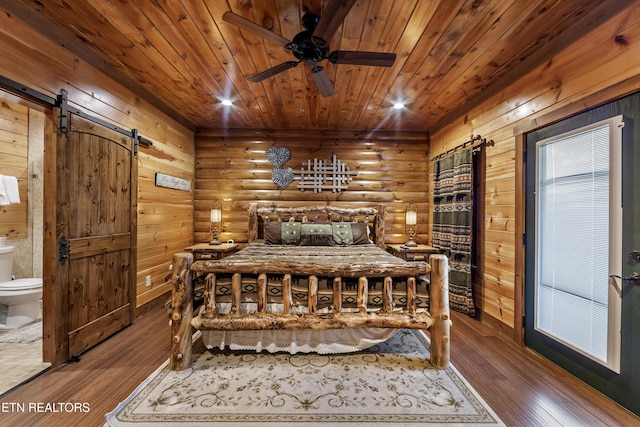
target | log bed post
[
  {"x": 337, "y": 294},
  {"x": 263, "y": 281},
  {"x": 210, "y": 295},
  {"x": 252, "y": 233},
  {"x": 439, "y": 308},
  {"x": 312, "y": 296},
  {"x": 387, "y": 295},
  {"x": 379, "y": 226},
  {"x": 363, "y": 294},
  {"x": 181, "y": 312}
]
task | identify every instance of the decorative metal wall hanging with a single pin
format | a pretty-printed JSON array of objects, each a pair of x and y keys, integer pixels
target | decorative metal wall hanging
[
  {"x": 282, "y": 177},
  {"x": 322, "y": 175},
  {"x": 278, "y": 155}
]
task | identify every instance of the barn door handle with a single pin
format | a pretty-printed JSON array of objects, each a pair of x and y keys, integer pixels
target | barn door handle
[{"x": 63, "y": 250}]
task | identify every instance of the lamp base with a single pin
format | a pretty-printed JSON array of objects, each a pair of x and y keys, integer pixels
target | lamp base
[
  {"x": 214, "y": 235},
  {"x": 411, "y": 243}
]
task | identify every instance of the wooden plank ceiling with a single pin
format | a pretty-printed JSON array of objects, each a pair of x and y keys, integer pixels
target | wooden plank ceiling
[{"x": 181, "y": 55}]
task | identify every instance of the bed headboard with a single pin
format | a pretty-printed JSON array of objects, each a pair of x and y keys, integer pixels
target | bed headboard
[{"x": 374, "y": 216}]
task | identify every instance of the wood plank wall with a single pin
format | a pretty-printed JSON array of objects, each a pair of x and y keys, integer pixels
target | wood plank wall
[
  {"x": 232, "y": 166},
  {"x": 14, "y": 137},
  {"x": 165, "y": 216},
  {"x": 603, "y": 65}
]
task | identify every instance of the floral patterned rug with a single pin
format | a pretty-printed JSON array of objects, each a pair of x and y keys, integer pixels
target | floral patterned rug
[{"x": 390, "y": 384}]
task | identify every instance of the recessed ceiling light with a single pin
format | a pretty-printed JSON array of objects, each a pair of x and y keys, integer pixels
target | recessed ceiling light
[
  {"x": 398, "y": 105},
  {"x": 226, "y": 102}
]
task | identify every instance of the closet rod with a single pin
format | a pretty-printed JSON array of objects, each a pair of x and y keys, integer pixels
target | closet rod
[{"x": 474, "y": 142}]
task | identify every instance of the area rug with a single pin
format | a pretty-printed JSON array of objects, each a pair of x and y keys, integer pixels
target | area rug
[
  {"x": 390, "y": 384},
  {"x": 24, "y": 334}
]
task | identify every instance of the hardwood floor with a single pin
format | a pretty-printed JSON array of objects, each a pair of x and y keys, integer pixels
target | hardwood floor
[{"x": 522, "y": 388}]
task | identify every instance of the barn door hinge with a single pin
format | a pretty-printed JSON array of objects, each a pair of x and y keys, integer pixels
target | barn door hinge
[
  {"x": 61, "y": 103},
  {"x": 139, "y": 141},
  {"x": 63, "y": 250},
  {"x": 134, "y": 134}
]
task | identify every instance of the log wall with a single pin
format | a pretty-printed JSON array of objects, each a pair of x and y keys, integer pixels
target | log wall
[
  {"x": 165, "y": 216},
  {"x": 232, "y": 166},
  {"x": 604, "y": 65}
]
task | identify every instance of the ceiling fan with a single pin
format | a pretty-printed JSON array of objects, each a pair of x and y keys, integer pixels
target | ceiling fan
[{"x": 311, "y": 46}]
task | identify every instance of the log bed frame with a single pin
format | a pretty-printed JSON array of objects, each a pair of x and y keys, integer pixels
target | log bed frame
[{"x": 437, "y": 321}]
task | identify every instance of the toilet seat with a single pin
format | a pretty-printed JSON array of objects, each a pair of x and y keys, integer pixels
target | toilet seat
[{"x": 21, "y": 284}]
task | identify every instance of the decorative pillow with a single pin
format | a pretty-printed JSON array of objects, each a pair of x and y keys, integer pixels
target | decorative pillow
[
  {"x": 282, "y": 233},
  {"x": 316, "y": 235},
  {"x": 350, "y": 233}
]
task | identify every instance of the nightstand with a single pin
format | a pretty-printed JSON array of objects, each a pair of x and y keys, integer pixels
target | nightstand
[
  {"x": 206, "y": 251},
  {"x": 418, "y": 253}
]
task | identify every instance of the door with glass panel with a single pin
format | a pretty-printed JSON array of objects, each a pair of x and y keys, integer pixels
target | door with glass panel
[
  {"x": 578, "y": 217},
  {"x": 578, "y": 232}
]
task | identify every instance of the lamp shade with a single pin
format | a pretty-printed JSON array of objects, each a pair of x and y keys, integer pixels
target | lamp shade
[
  {"x": 411, "y": 214},
  {"x": 216, "y": 215},
  {"x": 411, "y": 218},
  {"x": 216, "y": 211}
]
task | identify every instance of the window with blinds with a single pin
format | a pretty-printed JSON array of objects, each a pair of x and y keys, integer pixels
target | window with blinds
[{"x": 579, "y": 241}]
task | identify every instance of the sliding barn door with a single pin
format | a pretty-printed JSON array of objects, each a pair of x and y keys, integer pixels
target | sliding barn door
[{"x": 95, "y": 230}]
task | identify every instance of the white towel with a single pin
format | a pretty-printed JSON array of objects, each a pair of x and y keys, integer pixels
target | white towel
[
  {"x": 11, "y": 184},
  {"x": 4, "y": 197}
]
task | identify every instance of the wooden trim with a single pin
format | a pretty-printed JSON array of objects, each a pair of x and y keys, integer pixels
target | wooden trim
[
  {"x": 51, "y": 304},
  {"x": 133, "y": 230},
  {"x": 520, "y": 199},
  {"x": 479, "y": 161}
]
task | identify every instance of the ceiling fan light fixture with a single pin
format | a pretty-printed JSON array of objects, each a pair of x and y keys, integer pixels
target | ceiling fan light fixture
[{"x": 311, "y": 46}]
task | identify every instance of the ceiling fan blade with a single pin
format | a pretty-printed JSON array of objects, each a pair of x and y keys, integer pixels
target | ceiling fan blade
[
  {"x": 273, "y": 71},
  {"x": 378, "y": 59},
  {"x": 332, "y": 18},
  {"x": 250, "y": 26},
  {"x": 321, "y": 78}
]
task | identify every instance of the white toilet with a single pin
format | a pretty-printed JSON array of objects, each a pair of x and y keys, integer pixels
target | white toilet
[{"x": 20, "y": 298}]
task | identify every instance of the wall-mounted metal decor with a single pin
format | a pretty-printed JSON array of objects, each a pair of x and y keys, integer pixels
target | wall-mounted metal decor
[
  {"x": 322, "y": 175},
  {"x": 174, "y": 182},
  {"x": 278, "y": 155},
  {"x": 282, "y": 177}
]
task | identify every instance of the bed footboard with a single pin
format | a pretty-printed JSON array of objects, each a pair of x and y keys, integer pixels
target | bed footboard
[{"x": 436, "y": 321}]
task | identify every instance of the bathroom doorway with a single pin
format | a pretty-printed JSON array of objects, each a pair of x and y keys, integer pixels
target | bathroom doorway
[{"x": 22, "y": 133}]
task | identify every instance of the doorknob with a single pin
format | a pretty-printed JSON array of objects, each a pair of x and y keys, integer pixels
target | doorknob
[{"x": 634, "y": 257}]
